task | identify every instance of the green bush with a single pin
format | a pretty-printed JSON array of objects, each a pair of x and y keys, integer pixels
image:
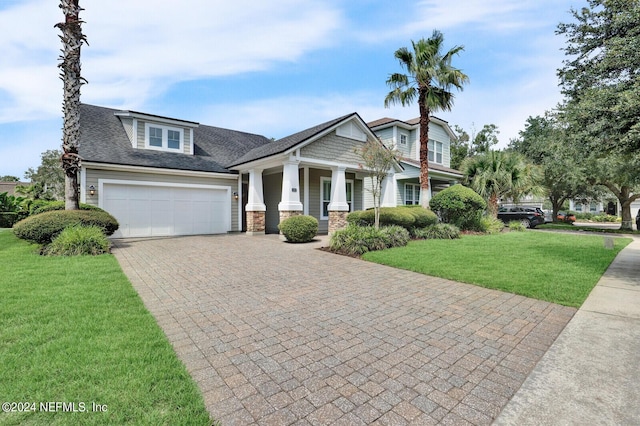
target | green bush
[
  {"x": 491, "y": 225},
  {"x": 423, "y": 217},
  {"x": 43, "y": 228},
  {"x": 48, "y": 206},
  {"x": 460, "y": 206},
  {"x": 439, "y": 231},
  {"x": 78, "y": 240},
  {"x": 355, "y": 240},
  {"x": 7, "y": 219},
  {"x": 389, "y": 216},
  {"x": 516, "y": 225},
  {"x": 299, "y": 229}
]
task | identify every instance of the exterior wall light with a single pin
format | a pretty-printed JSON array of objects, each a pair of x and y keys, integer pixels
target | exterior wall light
[
  {"x": 235, "y": 196},
  {"x": 92, "y": 190}
]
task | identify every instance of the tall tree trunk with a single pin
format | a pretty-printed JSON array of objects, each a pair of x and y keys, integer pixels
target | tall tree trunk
[
  {"x": 72, "y": 39},
  {"x": 625, "y": 197},
  {"x": 492, "y": 207},
  {"x": 424, "y": 148}
]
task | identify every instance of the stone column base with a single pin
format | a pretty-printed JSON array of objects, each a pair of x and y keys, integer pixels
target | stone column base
[
  {"x": 337, "y": 220},
  {"x": 255, "y": 223}
]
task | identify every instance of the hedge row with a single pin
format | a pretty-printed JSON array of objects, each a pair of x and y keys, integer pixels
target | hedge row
[{"x": 406, "y": 217}]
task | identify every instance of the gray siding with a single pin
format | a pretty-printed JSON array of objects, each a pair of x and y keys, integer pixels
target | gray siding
[
  {"x": 187, "y": 141},
  {"x": 93, "y": 175},
  {"x": 127, "y": 123},
  {"x": 405, "y": 150},
  {"x": 140, "y": 140},
  {"x": 438, "y": 133},
  {"x": 272, "y": 185},
  {"x": 334, "y": 148}
]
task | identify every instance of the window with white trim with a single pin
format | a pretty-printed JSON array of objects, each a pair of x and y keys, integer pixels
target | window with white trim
[
  {"x": 435, "y": 152},
  {"x": 411, "y": 194},
  {"x": 325, "y": 196},
  {"x": 403, "y": 138},
  {"x": 164, "y": 138}
]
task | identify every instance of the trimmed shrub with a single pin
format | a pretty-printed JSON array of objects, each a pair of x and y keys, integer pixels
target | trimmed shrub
[
  {"x": 77, "y": 241},
  {"x": 49, "y": 206},
  {"x": 44, "y": 227},
  {"x": 355, "y": 240},
  {"x": 389, "y": 216},
  {"x": 422, "y": 216},
  {"x": 299, "y": 229},
  {"x": 491, "y": 225},
  {"x": 517, "y": 226},
  {"x": 439, "y": 231},
  {"x": 459, "y": 206}
]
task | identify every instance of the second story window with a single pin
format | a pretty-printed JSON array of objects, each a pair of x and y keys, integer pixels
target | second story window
[
  {"x": 164, "y": 138},
  {"x": 435, "y": 152},
  {"x": 403, "y": 138}
]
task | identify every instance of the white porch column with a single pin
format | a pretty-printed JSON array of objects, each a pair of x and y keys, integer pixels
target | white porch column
[
  {"x": 255, "y": 204},
  {"x": 388, "y": 195},
  {"x": 255, "y": 199},
  {"x": 290, "y": 200},
  {"x": 338, "y": 190},
  {"x": 338, "y": 207}
]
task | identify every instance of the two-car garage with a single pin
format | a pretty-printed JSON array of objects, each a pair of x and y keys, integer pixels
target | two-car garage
[{"x": 150, "y": 209}]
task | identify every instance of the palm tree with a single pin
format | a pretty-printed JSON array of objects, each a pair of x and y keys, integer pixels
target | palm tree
[
  {"x": 497, "y": 174},
  {"x": 72, "y": 39},
  {"x": 430, "y": 77}
]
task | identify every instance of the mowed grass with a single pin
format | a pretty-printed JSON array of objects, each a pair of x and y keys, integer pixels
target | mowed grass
[
  {"x": 559, "y": 268},
  {"x": 73, "y": 330}
]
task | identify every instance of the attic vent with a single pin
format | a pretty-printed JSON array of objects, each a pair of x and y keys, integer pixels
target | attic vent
[{"x": 352, "y": 131}]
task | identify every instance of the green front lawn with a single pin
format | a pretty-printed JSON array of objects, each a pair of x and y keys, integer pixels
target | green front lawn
[
  {"x": 559, "y": 268},
  {"x": 73, "y": 330},
  {"x": 570, "y": 227}
]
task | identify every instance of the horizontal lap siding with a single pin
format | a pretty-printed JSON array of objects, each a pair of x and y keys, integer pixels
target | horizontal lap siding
[
  {"x": 438, "y": 133},
  {"x": 93, "y": 175}
]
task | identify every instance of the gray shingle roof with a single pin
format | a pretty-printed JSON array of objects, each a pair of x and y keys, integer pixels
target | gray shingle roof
[
  {"x": 104, "y": 140},
  {"x": 281, "y": 145}
]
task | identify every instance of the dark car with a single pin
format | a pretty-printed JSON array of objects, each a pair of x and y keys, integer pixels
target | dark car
[
  {"x": 638, "y": 221},
  {"x": 528, "y": 216}
]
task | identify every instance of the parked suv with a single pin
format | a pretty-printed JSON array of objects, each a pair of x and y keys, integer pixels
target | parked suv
[
  {"x": 529, "y": 217},
  {"x": 638, "y": 221}
]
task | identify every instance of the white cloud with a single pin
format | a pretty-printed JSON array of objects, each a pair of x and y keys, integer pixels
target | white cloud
[{"x": 139, "y": 48}]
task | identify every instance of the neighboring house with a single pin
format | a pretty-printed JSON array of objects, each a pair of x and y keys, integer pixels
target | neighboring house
[
  {"x": 405, "y": 137},
  {"x": 162, "y": 176}
]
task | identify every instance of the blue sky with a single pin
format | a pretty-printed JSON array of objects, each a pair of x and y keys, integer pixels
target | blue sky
[{"x": 274, "y": 67}]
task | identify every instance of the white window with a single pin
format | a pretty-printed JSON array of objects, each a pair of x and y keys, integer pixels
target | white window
[
  {"x": 164, "y": 138},
  {"x": 411, "y": 194},
  {"x": 435, "y": 152},
  {"x": 325, "y": 196},
  {"x": 578, "y": 207},
  {"x": 403, "y": 138},
  {"x": 593, "y": 207}
]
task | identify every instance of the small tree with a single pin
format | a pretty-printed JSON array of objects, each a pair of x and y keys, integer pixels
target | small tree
[{"x": 377, "y": 160}]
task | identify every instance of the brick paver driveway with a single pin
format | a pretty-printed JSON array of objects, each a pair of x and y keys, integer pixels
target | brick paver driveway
[{"x": 281, "y": 334}]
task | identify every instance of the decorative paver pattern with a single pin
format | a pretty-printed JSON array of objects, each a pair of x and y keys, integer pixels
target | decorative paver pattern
[{"x": 283, "y": 334}]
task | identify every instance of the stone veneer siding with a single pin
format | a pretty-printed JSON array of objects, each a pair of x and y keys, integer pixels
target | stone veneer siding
[
  {"x": 255, "y": 222},
  {"x": 337, "y": 220}
]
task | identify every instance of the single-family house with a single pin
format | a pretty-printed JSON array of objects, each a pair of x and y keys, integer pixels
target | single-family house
[
  {"x": 405, "y": 137},
  {"x": 162, "y": 176}
]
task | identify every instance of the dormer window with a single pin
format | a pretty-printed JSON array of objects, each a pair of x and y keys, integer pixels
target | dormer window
[{"x": 164, "y": 138}]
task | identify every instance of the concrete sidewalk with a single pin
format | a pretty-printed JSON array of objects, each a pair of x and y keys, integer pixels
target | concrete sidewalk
[{"x": 591, "y": 374}]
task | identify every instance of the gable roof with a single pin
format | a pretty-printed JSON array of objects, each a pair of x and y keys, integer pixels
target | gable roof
[
  {"x": 281, "y": 145},
  {"x": 103, "y": 139},
  {"x": 386, "y": 122}
]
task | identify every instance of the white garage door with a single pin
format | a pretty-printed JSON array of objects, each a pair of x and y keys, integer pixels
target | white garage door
[{"x": 150, "y": 211}]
